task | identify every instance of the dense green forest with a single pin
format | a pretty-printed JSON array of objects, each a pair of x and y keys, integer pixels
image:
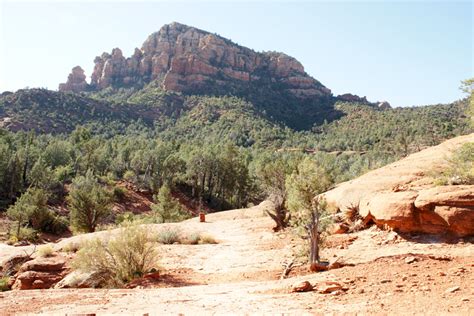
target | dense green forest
[{"x": 222, "y": 150}]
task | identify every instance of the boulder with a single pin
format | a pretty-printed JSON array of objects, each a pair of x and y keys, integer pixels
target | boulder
[
  {"x": 452, "y": 195},
  {"x": 31, "y": 280},
  {"x": 303, "y": 286},
  {"x": 11, "y": 266},
  {"x": 329, "y": 287},
  {"x": 40, "y": 273},
  {"x": 400, "y": 196},
  {"x": 394, "y": 209},
  {"x": 78, "y": 279},
  {"x": 50, "y": 264}
]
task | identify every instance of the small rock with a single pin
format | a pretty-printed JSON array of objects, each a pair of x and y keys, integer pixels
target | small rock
[
  {"x": 410, "y": 259},
  {"x": 152, "y": 275},
  {"x": 441, "y": 273},
  {"x": 385, "y": 281},
  {"x": 38, "y": 284},
  {"x": 452, "y": 289},
  {"x": 304, "y": 286},
  {"x": 328, "y": 287},
  {"x": 465, "y": 299}
]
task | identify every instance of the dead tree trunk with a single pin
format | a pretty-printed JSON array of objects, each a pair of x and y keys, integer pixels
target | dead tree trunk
[{"x": 313, "y": 233}]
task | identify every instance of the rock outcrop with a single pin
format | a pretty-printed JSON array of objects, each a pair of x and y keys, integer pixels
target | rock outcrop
[
  {"x": 401, "y": 195},
  {"x": 384, "y": 105},
  {"x": 40, "y": 273},
  {"x": 349, "y": 97},
  {"x": 76, "y": 81},
  {"x": 185, "y": 58}
]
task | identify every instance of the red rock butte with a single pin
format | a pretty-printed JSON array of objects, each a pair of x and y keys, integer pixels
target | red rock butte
[{"x": 184, "y": 58}]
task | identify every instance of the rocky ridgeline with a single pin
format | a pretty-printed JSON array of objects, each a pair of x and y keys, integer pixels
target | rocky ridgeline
[{"x": 184, "y": 59}]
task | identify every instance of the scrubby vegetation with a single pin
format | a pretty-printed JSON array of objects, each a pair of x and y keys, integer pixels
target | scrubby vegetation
[
  {"x": 460, "y": 168},
  {"x": 45, "y": 251},
  {"x": 120, "y": 259},
  {"x": 4, "y": 283},
  {"x": 169, "y": 236}
]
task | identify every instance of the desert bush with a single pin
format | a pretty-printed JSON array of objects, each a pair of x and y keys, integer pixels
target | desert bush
[
  {"x": 206, "y": 238},
  {"x": 169, "y": 236},
  {"x": 71, "y": 247},
  {"x": 30, "y": 209},
  {"x": 128, "y": 218},
  {"x": 57, "y": 224},
  {"x": 118, "y": 259},
  {"x": 23, "y": 234},
  {"x": 4, "y": 283},
  {"x": 192, "y": 238},
  {"x": 45, "y": 251},
  {"x": 196, "y": 238},
  {"x": 118, "y": 193},
  {"x": 460, "y": 168}
]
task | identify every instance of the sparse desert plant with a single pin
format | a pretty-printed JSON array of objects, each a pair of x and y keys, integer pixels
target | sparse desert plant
[
  {"x": 45, "y": 251},
  {"x": 192, "y": 238},
  {"x": 206, "y": 238},
  {"x": 22, "y": 234},
  {"x": 4, "y": 284},
  {"x": 119, "y": 259},
  {"x": 71, "y": 247},
  {"x": 169, "y": 235}
]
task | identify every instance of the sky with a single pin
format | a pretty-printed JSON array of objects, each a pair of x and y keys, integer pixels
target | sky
[{"x": 405, "y": 52}]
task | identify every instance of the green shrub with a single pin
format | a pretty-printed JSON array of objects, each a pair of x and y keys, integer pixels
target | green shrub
[
  {"x": 119, "y": 259},
  {"x": 460, "y": 168},
  {"x": 89, "y": 203},
  {"x": 4, "y": 284},
  {"x": 167, "y": 208},
  {"x": 31, "y": 209},
  {"x": 45, "y": 251},
  {"x": 58, "y": 224},
  {"x": 169, "y": 236},
  {"x": 22, "y": 234},
  {"x": 118, "y": 193}
]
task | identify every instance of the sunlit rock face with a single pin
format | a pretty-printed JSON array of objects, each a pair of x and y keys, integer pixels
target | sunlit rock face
[{"x": 186, "y": 59}]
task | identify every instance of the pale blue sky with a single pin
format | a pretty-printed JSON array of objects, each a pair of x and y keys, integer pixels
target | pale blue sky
[{"x": 409, "y": 53}]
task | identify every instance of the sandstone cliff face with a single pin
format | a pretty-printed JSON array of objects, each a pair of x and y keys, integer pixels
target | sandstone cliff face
[{"x": 185, "y": 58}]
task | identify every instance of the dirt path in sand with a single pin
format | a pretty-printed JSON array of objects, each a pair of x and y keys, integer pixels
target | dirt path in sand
[{"x": 240, "y": 275}]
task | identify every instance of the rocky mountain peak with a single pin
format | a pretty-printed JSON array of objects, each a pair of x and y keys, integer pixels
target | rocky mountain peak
[
  {"x": 186, "y": 59},
  {"x": 76, "y": 81}
]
